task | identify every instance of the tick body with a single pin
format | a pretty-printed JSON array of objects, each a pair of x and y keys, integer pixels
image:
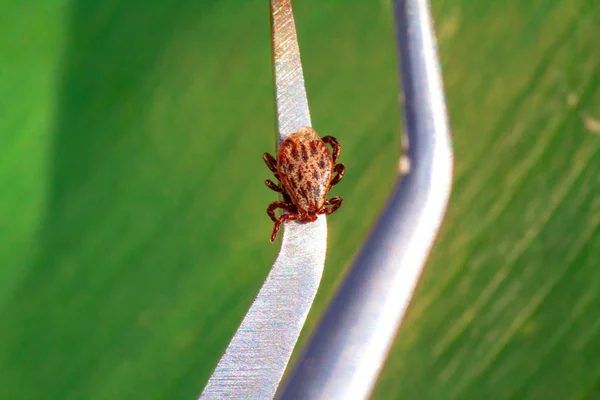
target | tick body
[{"x": 306, "y": 169}]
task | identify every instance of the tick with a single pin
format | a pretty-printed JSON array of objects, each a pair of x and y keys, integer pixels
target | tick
[{"x": 306, "y": 169}]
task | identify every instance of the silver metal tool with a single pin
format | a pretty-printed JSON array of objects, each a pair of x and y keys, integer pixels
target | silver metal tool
[
  {"x": 347, "y": 351},
  {"x": 258, "y": 354}
]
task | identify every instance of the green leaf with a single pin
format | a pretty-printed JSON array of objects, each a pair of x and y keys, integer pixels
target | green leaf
[{"x": 133, "y": 232}]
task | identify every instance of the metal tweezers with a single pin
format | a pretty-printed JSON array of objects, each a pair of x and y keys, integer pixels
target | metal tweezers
[{"x": 346, "y": 352}]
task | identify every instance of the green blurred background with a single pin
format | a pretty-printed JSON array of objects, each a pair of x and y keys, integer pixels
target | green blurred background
[{"x": 133, "y": 233}]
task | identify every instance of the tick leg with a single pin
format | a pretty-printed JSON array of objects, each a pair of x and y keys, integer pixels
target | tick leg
[
  {"x": 281, "y": 220},
  {"x": 279, "y": 204},
  {"x": 279, "y": 189},
  {"x": 271, "y": 185},
  {"x": 339, "y": 169},
  {"x": 335, "y": 145},
  {"x": 286, "y": 197},
  {"x": 271, "y": 163},
  {"x": 334, "y": 202}
]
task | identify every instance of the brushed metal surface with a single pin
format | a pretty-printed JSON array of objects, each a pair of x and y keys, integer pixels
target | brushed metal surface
[{"x": 258, "y": 354}]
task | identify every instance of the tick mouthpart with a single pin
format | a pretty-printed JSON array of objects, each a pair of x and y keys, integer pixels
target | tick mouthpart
[{"x": 305, "y": 133}]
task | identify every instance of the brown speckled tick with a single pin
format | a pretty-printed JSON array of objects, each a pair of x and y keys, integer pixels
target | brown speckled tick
[{"x": 305, "y": 170}]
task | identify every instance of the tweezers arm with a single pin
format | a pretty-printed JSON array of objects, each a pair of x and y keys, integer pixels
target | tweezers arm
[
  {"x": 290, "y": 94},
  {"x": 258, "y": 354},
  {"x": 347, "y": 351}
]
